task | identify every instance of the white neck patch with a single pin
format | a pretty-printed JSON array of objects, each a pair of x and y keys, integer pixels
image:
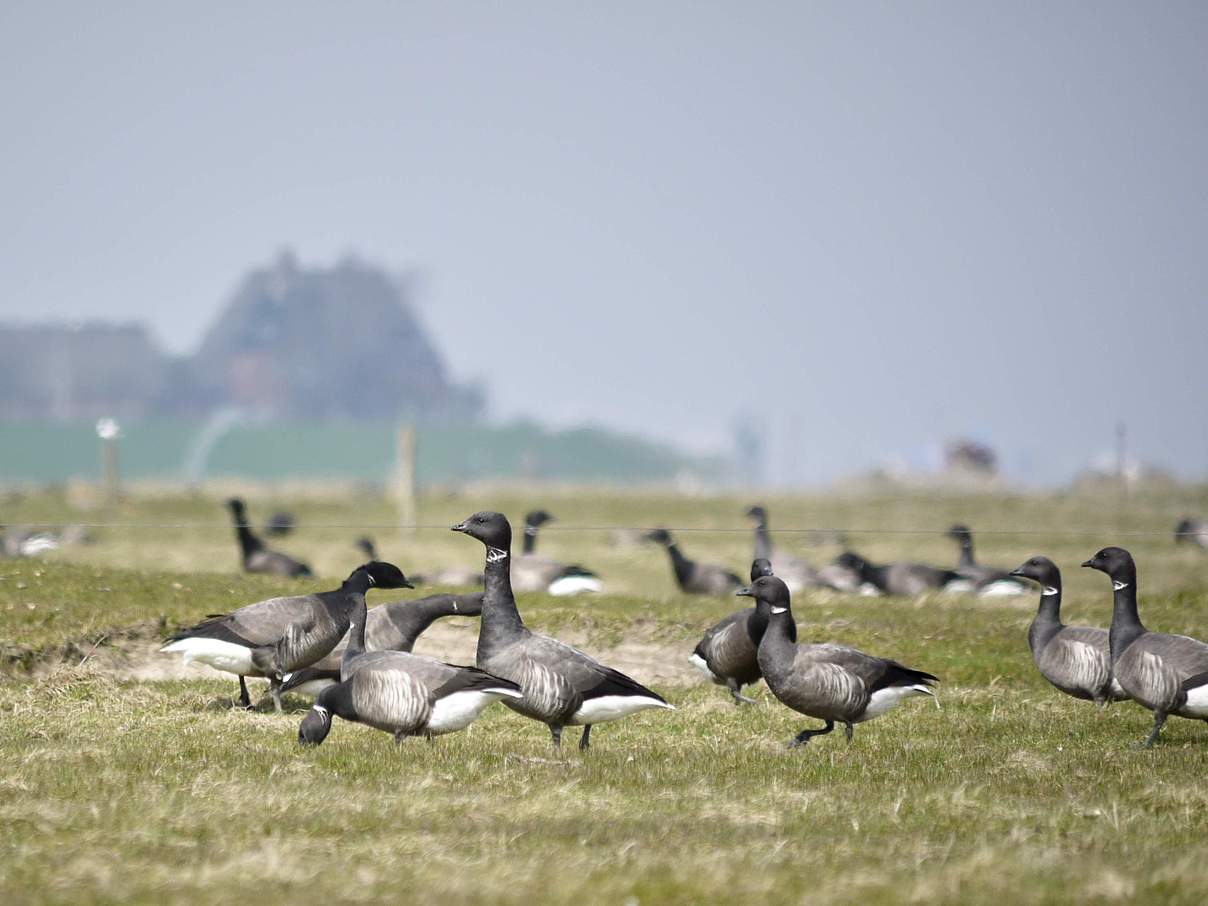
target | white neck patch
[
  {"x": 455, "y": 607},
  {"x": 494, "y": 555},
  {"x": 320, "y": 709},
  {"x": 1118, "y": 585},
  {"x": 530, "y": 529},
  {"x": 1049, "y": 590},
  {"x": 778, "y": 609},
  {"x": 369, "y": 576}
]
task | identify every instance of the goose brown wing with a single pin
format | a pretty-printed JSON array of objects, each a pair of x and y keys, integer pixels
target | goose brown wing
[{"x": 727, "y": 646}]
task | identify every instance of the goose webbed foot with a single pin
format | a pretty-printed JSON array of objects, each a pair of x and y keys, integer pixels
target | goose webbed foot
[
  {"x": 739, "y": 698},
  {"x": 806, "y": 735},
  {"x": 555, "y": 733},
  {"x": 584, "y": 741},
  {"x": 1158, "y": 720}
]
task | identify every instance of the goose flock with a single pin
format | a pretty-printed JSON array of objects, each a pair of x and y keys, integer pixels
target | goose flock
[{"x": 358, "y": 664}]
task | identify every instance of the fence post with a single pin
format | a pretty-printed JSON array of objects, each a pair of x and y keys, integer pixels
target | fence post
[{"x": 404, "y": 480}]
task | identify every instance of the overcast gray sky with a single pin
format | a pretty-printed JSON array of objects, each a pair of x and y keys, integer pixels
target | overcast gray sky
[{"x": 877, "y": 225}]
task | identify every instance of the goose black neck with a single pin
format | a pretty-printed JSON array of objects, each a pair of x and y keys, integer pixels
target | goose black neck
[
  {"x": 356, "y": 629},
  {"x": 1126, "y": 621},
  {"x": 1047, "y": 621},
  {"x": 530, "y": 539},
  {"x": 337, "y": 700},
  {"x": 781, "y": 632},
  {"x": 358, "y": 583},
  {"x": 966, "y": 559},
  {"x": 500, "y": 618},
  {"x": 248, "y": 542},
  {"x": 763, "y": 541},
  {"x": 682, "y": 565}
]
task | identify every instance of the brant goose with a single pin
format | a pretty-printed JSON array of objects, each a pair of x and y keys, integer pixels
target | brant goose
[
  {"x": 905, "y": 579},
  {"x": 256, "y": 556},
  {"x": 1075, "y": 659},
  {"x": 533, "y": 573},
  {"x": 1168, "y": 674},
  {"x": 988, "y": 581},
  {"x": 390, "y": 627},
  {"x": 280, "y": 635},
  {"x": 797, "y": 574},
  {"x": 401, "y": 693},
  {"x": 562, "y": 686},
  {"x": 729, "y": 653},
  {"x": 832, "y": 683},
  {"x": 695, "y": 578}
]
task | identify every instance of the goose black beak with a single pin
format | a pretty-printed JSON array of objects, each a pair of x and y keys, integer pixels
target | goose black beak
[
  {"x": 1018, "y": 571},
  {"x": 744, "y": 592},
  {"x": 407, "y": 584},
  {"x": 1090, "y": 563},
  {"x": 460, "y": 527}
]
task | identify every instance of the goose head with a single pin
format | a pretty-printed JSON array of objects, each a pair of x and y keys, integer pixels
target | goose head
[
  {"x": 760, "y": 567},
  {"x": 1183, "y": 531},
  {"x": 237, "y": 508},
  {"x": 315, "y": 725},
  {"x": 757, "y": 512},
  {"x": 1041, "y": 570},
  {"x": 537, "y": 518},
  {"x": 383, "y": 575},
  {"x": 658, "y": 536},
  {"x": 768, "y": 590},
  {"x": 959, "y": 533},
  {"x": 1116, "y": 562},
  {"x": 492, "y": 529}
]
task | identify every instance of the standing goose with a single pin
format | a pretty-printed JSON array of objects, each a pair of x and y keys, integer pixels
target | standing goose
[
  {"x": 401, "y": 693},
  {"x": 256, "y": 556},
  {"x": 988, "y": 581},
  {"x": 901, "y": 578},
  {"x": 531, "y": 572},
  {"x": 797, "y": 574},
  {"x": 1075, "y": 659},
  {"x": 729, "y": 653},
  {"x": 390, "y": 627},
  {"x": 1168, "y": 674},
  {"x": 562, "y": 686},
  {"x": 832, "y": 683},
  {"x": 695, "y": 578},
  {"x": 281, "y": 635}
]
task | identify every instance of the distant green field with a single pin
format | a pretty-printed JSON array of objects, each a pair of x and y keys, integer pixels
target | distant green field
[
  {"x": 123, "y": 781},
  {"x": 43, "y": 452}
]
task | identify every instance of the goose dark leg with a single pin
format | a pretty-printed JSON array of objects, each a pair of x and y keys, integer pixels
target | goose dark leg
[
  {"x": 274, "y": 689},
  {"x": 398, "y": 737},
  {"x": 245, "y": 700},
  {"x": 584, "y": 742},
  {"x": 806, "y": 735},
  {"x": 736, "y": 691},
  {"x": 555, "y": 731},
  {"x": 848, "y": 729},
  {"x": 1159, "y": 718}
]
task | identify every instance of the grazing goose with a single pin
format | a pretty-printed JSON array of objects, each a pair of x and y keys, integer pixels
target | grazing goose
[
  {"x": 562, "y": 686},
  {"x": 1075, "y": 659},
  {"x": 828, "y": 682},
  {"x": 695, "y": 578},
  {"x": 988, "y": 581},
  {"x": 390, "y": 627},
  {"x": 257, "y": 557},
  {"x": 531, "y": 572},
  {"x": 402, "y": 693},
  {"x": 1192, "y": 531},
  {"x": 797, "y": 574},
  {"x": 906, "y": 579},
  {"x": 281, "y": 635},
  {"x": 729, "y": 653},
  {"x": 452, "y": 577},
  {"x": 1168, "y": 674}
]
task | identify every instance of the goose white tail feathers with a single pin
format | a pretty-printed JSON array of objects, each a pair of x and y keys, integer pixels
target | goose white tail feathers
[
  {"x": 225, "y": 656},
  {"x": 574, "y": 585}
]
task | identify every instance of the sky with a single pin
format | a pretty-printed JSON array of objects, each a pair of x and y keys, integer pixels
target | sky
[{"x": 869, "y": 227}]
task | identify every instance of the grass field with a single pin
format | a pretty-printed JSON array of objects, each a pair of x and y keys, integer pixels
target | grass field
[{"x": 122, "y": 779}]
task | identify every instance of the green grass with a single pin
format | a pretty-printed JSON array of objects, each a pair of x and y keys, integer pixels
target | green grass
[{"x": 113, "y": 790}]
